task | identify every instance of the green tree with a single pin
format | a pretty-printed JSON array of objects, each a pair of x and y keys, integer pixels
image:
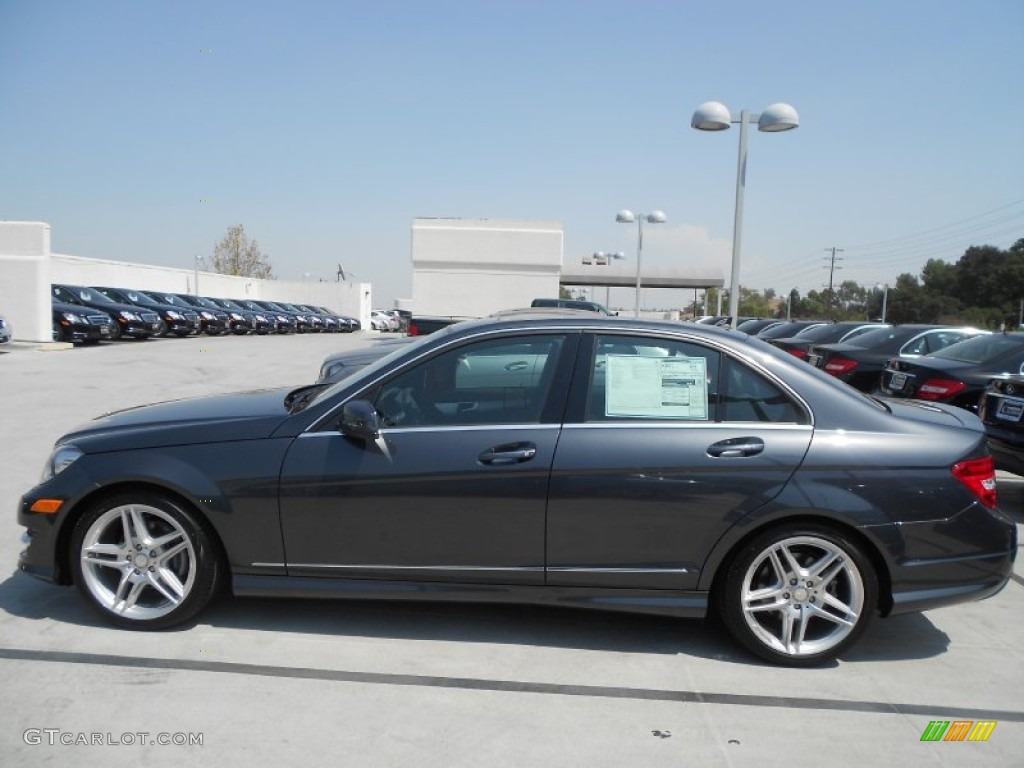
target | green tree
[{"x": 236, "y": 255}]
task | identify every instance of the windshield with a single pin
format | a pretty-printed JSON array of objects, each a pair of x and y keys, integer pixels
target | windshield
[
  {"x": 880, "y": 337},
  {"x": 784, "y": 330},
  {"x": 91, "y": 296},
  {"x": 982, "y": 349},
  {"x": 823, "y": 332},
  {"x": 169, "y": 298},
  {"x": 135, "y": 297}
]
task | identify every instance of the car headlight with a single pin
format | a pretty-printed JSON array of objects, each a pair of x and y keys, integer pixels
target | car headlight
[
  {"x": 236, "y": 316},
  {"x": 282, "y": 319},
  {"x": 172, "y": 315},
  {"x": 261, "y": 318},
  {"x": 71, "y": 317},
  {"x": 209, "y": 316},
  {"x": 129, "y": 315},
  {"x": 59, "y": 460}
]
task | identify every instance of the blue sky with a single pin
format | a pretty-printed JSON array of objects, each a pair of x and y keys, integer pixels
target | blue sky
[{"x": 325, "y": 128}]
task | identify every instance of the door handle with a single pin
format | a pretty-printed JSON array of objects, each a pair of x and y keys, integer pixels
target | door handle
[
  {"x": 516, "y": 366},
  {"x": 736, "y": 447},
  {"x": 513, "y": 453}
]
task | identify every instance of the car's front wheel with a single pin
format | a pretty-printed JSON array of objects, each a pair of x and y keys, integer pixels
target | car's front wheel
[
  {"x": 143, "y": 561},
  {"x": 798, "y": 595}
]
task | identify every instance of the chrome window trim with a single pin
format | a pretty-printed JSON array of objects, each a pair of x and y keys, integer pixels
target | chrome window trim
[
  {"x": 444, "y": 428},
  {"x": 532, "y": 331},
  {"x": 688, "y": 424},
  {"x": 615, "y": 326}
]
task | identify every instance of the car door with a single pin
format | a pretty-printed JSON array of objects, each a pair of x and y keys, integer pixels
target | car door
[
  {"x": 455, "y": 488},
  {"x": 667, "y": 443}
]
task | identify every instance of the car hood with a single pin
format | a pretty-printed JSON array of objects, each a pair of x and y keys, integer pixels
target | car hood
[{"x": 219, "y": 418}]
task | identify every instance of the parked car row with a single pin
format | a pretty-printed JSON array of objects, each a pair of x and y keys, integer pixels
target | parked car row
[{"x": 91, "y": 314}]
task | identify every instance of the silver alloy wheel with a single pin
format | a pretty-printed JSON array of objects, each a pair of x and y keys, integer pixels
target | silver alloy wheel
[
  {"x": 138, "y": 562},
  {"x": 802, "y": 596}
]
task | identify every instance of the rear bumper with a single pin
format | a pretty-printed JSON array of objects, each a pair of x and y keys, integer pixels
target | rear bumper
[{"x": 964, "y": 558}]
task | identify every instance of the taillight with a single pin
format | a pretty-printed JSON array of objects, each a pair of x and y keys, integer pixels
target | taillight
[
  {"x": 801, "y": 353},
  {"x": 940, "y": 389},
  {"x": 840, "y": 365},
  {"x": 413, "y": 330},
  {"x": 979, "y": 476}
]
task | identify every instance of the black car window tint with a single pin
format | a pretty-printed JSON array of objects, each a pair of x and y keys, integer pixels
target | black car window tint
[
  {"x": 919, "y": 346},
  {"x": 640, "y": 378},
  {"x": 488, "y": 382},
  {"x": 749, "y": 396}
]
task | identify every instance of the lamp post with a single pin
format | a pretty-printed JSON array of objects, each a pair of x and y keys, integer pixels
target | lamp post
[
  {"x": 628, "y": 217},
  {"x": 885, "y": 297},
  {"x": 196, "y": 285},
  {"x": 714, "y": 116},
  {"x": 604, "y": 259}
]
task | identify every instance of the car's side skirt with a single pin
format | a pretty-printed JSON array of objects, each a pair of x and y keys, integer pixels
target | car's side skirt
[{"x": 662, "y": 602}]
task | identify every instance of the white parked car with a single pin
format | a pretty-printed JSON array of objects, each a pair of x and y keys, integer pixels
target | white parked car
[{"x": 383, "y": 321}]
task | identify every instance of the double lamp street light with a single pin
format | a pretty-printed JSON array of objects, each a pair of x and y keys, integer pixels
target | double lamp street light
[
  {"x": 714, "y": 116},
  {"x": 628, "y": 217}
]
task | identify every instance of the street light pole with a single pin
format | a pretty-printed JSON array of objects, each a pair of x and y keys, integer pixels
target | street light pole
[
  {"x": 628, "y": 217},
  {"x": 714, "y": 116}
]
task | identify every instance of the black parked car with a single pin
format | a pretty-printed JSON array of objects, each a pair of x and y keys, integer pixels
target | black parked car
[
  {"x": 788, "y": 329},
  {"x": 214, "y": 318},
  {"x": 129, "y": 320},
  {"x": 957, "y": 374},
  {"x": 859, "y": 362},
  {"x": 345, "y": 324},
  {"x": 603, "y": 463},
  {"x": 831, "y": 333},
  {"x": 257, "y": 322},
  {"x": 173, "y": 319},
  {"x": 286, "y": 321},
  {"x": 341, "y": 365},
  {"x": 78, "y": 323},
  {"x": 1000, "y": 409},
  {"x": 209, "y": 321},
  {"x": 755, "y": 326}
]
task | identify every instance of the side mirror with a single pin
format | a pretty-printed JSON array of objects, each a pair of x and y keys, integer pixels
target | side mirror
[{"x": 359, "y": 420}]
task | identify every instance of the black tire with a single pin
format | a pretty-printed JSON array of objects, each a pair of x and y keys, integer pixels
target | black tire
[
  {"x": 774, "y": 604},
  {"x": 151, "y": 562},
  {"x": 58, "y": 332},
  {"x": 163, "y": 330},
  {"x": 115, "y": 332}
]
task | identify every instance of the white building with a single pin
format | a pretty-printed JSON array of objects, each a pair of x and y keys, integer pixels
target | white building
[{"x": 473, "y": 267}]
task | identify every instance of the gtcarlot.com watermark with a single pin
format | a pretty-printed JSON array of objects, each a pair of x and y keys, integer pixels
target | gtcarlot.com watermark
[{"x": 56, "y": 737}]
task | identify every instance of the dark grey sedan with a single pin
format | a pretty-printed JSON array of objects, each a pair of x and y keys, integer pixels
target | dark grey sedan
[{"x": 591, "y": 462}]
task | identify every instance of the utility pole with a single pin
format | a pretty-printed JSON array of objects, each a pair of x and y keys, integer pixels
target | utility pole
[{"x": 831, "y": 272}]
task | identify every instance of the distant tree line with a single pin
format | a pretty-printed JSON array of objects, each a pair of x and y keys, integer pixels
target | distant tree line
[{"x": 984, "y": 287}]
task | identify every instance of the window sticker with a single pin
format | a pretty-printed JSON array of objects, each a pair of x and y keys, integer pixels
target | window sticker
[{"x": 661, "y": 388}]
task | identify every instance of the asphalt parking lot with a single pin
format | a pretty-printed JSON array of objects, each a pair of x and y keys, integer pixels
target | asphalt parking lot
[{"x": 383, "y": 684}]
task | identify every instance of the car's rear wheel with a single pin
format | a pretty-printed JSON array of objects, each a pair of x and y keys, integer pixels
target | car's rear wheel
[
  {"x": 798, "y": 595},
  {"x": 143, "y": 561}
]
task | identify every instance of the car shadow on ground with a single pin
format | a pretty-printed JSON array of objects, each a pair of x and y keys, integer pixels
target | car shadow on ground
[{"x": 897, "y": 638}]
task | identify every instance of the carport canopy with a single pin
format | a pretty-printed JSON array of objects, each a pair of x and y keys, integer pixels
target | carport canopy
[{"x": 623, "y": 276}]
